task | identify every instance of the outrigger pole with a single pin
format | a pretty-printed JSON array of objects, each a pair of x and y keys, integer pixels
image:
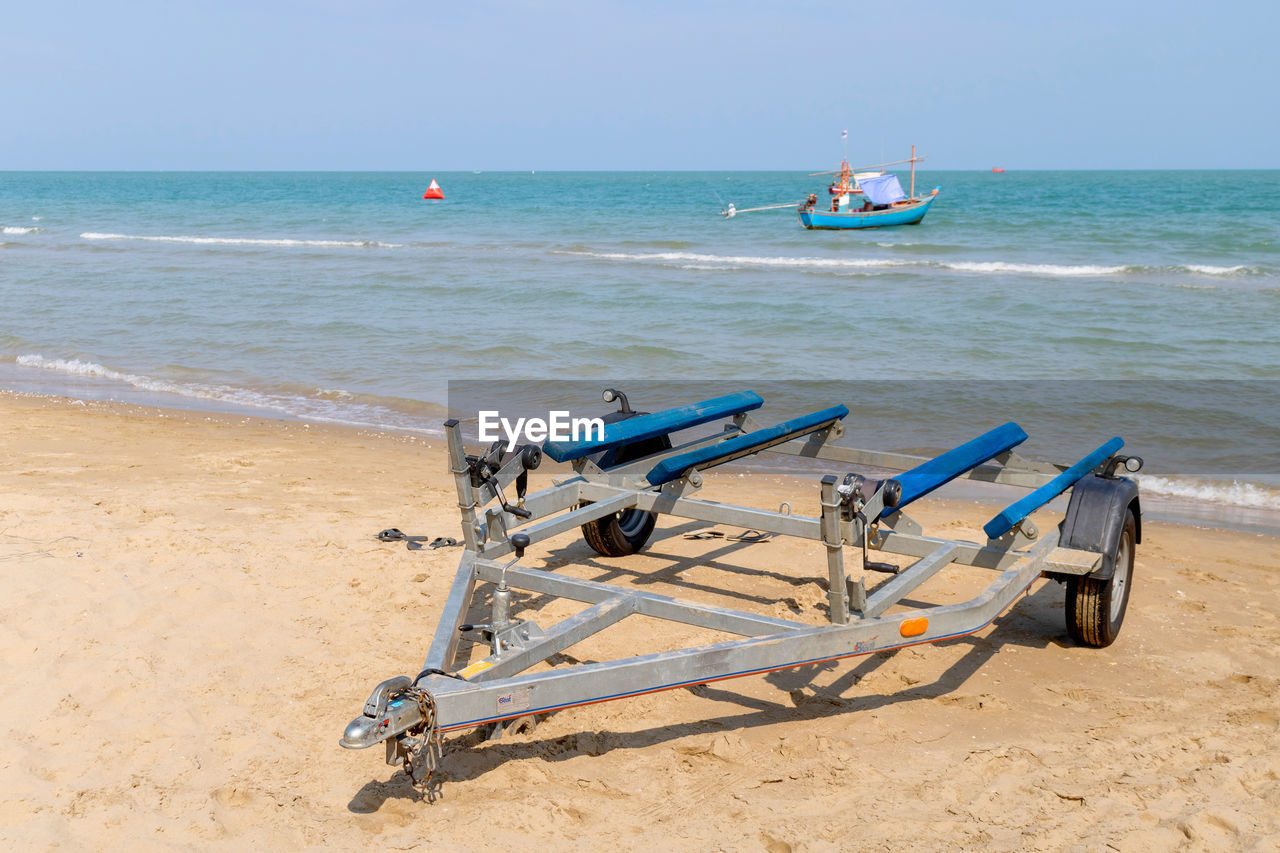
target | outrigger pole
[
  {"x": 725, "y": 212},
  {"x": 911, "y": 159}
]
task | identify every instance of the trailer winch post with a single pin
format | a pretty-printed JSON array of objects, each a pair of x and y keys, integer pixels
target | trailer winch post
[
  {"x": 837, "y": 592},
  {"x": 462, "y": 480}
]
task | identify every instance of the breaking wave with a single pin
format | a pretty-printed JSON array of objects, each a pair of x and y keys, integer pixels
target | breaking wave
[
  {"x": 742, "y": 260},
  {"x": 324, "y": 404},
  {"x": 1234, "y": 493},
  {"x": 19, "y": 229},
  {"x": 1206, "y": 269},
  {"x": 1034, "y": 269},
  {"x": 244, "y": 241},
  {"x": 699, "y": 260}
]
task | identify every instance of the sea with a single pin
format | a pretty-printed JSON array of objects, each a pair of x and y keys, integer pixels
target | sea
[{"x": 1138, "y": 303}]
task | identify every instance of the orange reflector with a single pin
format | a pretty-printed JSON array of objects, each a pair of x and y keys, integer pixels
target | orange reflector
[{"x": 913, "y": 627}]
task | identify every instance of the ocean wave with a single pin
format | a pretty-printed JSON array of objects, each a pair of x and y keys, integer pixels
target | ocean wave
[
  {"x": 1235, "y": 493},
  {"x": 244, "y": 241},
  {"x": 741, "y": 260},
  {"x": 327, "y": 405},
  {"x": 849, "y": 263},
  {"x": 1033, "y": 269},
  {"x": 700, "y": 260},
  {"x": 76, "y": 367},
  {"x": 1206, "y": 269},
  {"x": 19, "y": 229}
]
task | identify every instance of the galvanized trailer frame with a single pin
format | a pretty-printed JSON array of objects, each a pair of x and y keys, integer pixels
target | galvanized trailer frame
[{"x": 1092, "y": 550}]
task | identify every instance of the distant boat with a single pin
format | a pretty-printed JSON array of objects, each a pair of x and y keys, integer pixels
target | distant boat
[
  {"x": 433, "y": 191},
  {"x": 997, "y": 170},
  {"x": 885, "y": 204}
]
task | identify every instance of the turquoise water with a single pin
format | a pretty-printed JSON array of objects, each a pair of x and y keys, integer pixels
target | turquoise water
[{"x": 349, "y": 298}]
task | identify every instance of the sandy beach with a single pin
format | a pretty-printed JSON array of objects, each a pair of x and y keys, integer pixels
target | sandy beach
[{"x": 195, "y": 605}]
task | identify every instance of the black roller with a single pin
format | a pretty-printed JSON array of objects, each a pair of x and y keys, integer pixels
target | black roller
[{"x": 531, "y": 456}]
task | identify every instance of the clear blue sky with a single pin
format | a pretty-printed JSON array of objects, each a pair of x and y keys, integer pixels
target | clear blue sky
[{"x": 637, "y": 85}]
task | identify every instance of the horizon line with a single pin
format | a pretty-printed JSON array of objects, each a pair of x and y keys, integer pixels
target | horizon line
[{"x": 1004, "y": 169}]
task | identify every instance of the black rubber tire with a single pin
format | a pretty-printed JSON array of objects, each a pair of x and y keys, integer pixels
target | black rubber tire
[
  {"x": 619, "y": 534},
  {"x": 623, "y": 532},
  {"x": 1095, "y": 609}
]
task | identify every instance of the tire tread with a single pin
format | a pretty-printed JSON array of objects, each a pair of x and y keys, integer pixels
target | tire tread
[{"x": 1088, "y": 609}]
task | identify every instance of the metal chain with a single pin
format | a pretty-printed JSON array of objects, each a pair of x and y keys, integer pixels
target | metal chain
[{"x": 431, "y": 752}]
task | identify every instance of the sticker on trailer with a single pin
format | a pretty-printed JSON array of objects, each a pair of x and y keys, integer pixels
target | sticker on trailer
[{"x": 516, "y": 700}]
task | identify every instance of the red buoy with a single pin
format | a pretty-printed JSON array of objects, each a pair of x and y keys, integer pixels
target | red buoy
[{"x": 433, "y": 191}]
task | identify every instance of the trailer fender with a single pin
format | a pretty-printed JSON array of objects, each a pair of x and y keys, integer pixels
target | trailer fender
[{"x": 1095, "y": 518}]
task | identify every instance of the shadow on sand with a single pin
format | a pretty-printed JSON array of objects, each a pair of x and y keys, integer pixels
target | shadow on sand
[{"x": 1036, "y": 623}]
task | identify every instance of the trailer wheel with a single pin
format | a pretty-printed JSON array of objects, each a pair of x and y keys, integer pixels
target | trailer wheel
[
  {"x": 623, "y": 532},
  {"x": 619, "y": 534},
  {"x": 1096, "y": 608}
]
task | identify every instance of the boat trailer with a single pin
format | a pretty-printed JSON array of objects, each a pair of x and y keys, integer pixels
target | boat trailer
[{"x": 626, "y": 477}]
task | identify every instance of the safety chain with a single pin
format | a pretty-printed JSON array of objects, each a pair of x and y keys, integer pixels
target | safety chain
[{"x": 422, "y": 761}]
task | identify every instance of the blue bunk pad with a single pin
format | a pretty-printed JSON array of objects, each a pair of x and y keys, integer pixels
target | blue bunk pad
[
  {"x": 942, "y": 469},
  {"x": 673, "y": 467},
  {"x": 642, "y": 427},
  {"x": 1004, "y": 520}
]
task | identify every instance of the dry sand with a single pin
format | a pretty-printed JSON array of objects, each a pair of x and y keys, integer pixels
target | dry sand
[{"x": 195, "y": 606}]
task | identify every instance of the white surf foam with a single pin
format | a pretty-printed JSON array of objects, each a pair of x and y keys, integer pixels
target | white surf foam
[
  {"x": 1206, "y": 269},
  {"x": 856, "y": 263},
  {"x": 1235, "y": 493},
  {"x": 743, "y": 260},
  {"x": 243, "y": 241},
  {"x": 76, "y": 367},
  {"x": 706, "y": 261},
  {"x": 1032, "y": 269},
  {"x": 320, "y": 408},
  {"x": 18, "y": 229}
]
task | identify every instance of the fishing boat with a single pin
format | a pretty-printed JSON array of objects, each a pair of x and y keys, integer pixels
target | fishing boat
[{"x": 884, "y": 202}]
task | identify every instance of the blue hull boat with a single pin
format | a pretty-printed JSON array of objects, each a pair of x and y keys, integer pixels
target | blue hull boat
[
  {"x": 860, "y": 198},
  {"x": 908, "y": 212}
]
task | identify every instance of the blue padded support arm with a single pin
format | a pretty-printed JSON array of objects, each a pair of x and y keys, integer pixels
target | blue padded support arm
[
  {"x": 742, "y": 445},
  {"x": 940, "y": 470},
  {"x": 1005, "y": 520},
  {"x": 642, "y": 427}
]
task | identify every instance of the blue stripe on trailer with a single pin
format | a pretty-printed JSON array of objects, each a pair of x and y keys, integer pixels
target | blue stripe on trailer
[
  {"x": 1004, "y": 520},
  {"x": 942, "y": 469},
  {"x": 743, "y": 445},
  {"x": 642, "y": 427}
]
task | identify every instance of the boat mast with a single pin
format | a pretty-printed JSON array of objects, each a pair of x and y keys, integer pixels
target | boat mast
[
  {"x": 844, "y": 160},
  {"x": 913, "y": 171}
]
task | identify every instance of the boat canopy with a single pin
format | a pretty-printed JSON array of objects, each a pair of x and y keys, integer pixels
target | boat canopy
[{"x": 882, "y": 189}]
